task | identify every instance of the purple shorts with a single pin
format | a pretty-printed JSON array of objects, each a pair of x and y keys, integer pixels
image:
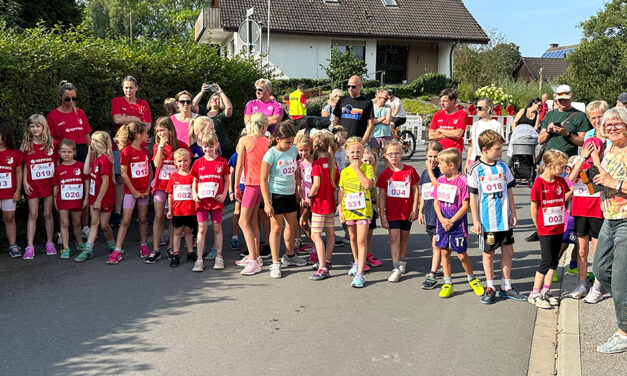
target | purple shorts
[{"x": 130, "y": 201}]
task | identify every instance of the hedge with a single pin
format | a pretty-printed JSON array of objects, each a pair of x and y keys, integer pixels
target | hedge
[{"x": 32, "y": 64}]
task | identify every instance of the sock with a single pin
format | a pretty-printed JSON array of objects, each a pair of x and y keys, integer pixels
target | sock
[
  {"x": 448, "y": 280},
  {"x": 597, "y": 286},
  {"x": 395, "y": 265},
  {"x": 470, "y": 277},
  {"x": 622, "y": 337},
  {"x": 89, "y": 245},
  {"x": 582, "y": 282},
  {"x": 545, "y": 288},
  {"x": 276, "y": 263},
  {"x": 140, "y": 244},
  {"x": 490, "y": 283},
  {"x": 111, "y": 243},
  {"x": 290, "y": 256},
  {"x": 118, "y": 249},
  {"x": 573, "y": 264},
  {"x": 431, "y": 273},
  {"x": 507, "y": 284},
  {"x": 535, "y": 291}
]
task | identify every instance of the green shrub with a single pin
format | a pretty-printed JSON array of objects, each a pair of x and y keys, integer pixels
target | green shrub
[
  {"x": 371, "y": 83},
  {"x": 522, "y": 92},
  {"x": 431, "y": 83},
  {"x": 416, "y": 106},
  {"x": 497, "y": 94},
  {"x": 286, "y": 86}
]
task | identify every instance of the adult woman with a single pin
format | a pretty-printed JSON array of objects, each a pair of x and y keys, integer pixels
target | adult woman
[
  {"x": 594, "y": 112},
  {"x": 69, "y": 121},
  {"x": 529, "y": 115},
  {"x": 327, "y": 110},
  {"x": 485, "y": 107},
  {"x": 185, "y": 115},
  {"x": 610, "y": 259},
  {"x": 219, "y": 109}
]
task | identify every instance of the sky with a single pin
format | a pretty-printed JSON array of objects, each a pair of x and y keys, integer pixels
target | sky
[{"x": 531, "y": 23}]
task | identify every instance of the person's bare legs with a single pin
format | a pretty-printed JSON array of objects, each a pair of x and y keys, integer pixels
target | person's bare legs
[{"x": 250, "y": 229}]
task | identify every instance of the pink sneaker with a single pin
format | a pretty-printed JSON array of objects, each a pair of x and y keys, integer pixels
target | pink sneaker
[
  {"x": 144, "y": 250},
  {"x": 366, "y": 268},
  {"x": 253, "y": 267},
  {"x": 313, "y": 257},
  {"x": 29, "y": 253},
  {"x": 51, "y": 249},
  {"x": 373, "y": 261},
  {"x": 114, "y": 257},
  {"x": 306, "y": 249},
  {"x": 243, "y": 261}
]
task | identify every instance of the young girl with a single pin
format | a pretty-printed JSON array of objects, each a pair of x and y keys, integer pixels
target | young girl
[
  {"x": 166, "y": 143},
  {"x": 370, "y": 157},
  {"x": 303, "y": 186},
  {"x": 39, "y": 155},
  {"x": 211, "y": 178},
  {"x": 181, "y": 207},
  {"x": 426, "y": 216},
  {"x": 355, "y": 205},
  {"x": 10, "y": 184},
  {"x": 549, "y": 194},
  {"x": 72, "y": 195},
  {"x": 251, "y": 149},
  {"x": 235, "y": 244},
  {"x": 137, "y": 175},
  {"x": 197, "y": 128},
  {"x": 398, "y": 205},
  {"x": 326, "y": 176},
  {"x": 99, "y": 167},
  {"x": 340, "y": 134},
  {"x": 278, "y": 187}
]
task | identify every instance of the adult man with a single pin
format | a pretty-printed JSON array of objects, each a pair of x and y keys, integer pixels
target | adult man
[
  {"x": 354, "y": 111},
  {"x": 622, "y": 100},
  {"x": 399, "y": 116},
  {"x": 544, "y": 107},
  {"x": 564, "y": 128},
  {"x": 272, "y": 109},
  {"x": 298, "y": 103},
  {"x": 449, "y": 124}
]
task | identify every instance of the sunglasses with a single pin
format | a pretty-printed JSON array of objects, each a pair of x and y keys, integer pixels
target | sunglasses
[
  {"x": 259, "y": 90},
  {"x": 481, "y": 108},
  {"x": 351, "y": 86},
  {"x": 564, "y": 93},
  {"x": 185, "y": 101},
  {"x": 69, "y": 99}
]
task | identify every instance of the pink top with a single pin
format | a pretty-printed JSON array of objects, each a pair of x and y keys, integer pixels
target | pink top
[
  {"x": 182, "y": 128},
  {"x": 306, "y": 181},
  {"x": 269, "y": 108},
  {"x": 252, "y": 162}
]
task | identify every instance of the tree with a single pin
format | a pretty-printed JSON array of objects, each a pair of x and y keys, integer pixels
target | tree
[
  {"x": 26, "y": 14},
  {"x": 597, "y": 67},
  {"x": 343, "y": 65},
  {"x": 9, "y": 12}
]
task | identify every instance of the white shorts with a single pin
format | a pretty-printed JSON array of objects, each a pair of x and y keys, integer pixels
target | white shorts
[{"x": 7, "y": 205}]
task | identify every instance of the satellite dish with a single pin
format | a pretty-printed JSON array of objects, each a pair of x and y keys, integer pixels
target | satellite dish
[{"x": 244, "y": 32}]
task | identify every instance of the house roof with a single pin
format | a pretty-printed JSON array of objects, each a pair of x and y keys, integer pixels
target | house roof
[
  {"x": 551, "y": 67},
  {"x": 411, "y": 19},
  {"x": 559, "y": 51}
]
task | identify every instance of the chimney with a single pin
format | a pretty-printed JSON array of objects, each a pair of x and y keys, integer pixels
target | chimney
[{"x": 554, "y": 45}]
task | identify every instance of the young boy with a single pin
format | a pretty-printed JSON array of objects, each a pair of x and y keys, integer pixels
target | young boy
[
  {"x": 451, "y": 205},
  {"x": 181, "y": 206},
  {"x": 426, "y": 213},
  {"x": 493, "y": 211}
]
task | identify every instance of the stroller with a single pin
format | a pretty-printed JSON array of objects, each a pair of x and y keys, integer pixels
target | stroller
[{"x": 522, "y": 158}]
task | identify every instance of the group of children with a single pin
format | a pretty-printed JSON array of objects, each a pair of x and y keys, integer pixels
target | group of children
[{"x": 297, "y": 180}]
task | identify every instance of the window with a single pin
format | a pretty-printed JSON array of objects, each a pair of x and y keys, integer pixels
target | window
[
  {"x": 330, "y": 1},
  {"x": 390, "y": 3},
  {"x": 356, "y": 48}
]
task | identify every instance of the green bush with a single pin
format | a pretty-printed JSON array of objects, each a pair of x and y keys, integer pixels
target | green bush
[
  {"x": 371, "y": 83},
  {"x": 343, "y": 65},
  {"x": 286, "y": 86},
  {"x": 431, "y": 83},
  {"x": 32, "y": 64},
  {"x": 416, "y": 106},
  {"x": 497, "y": 94}
]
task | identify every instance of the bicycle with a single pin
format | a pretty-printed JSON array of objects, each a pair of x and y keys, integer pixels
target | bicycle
[{"x": 407, "y": 141}]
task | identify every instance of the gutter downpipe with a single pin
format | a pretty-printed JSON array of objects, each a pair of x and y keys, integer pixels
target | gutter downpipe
[{"x": 450, "y": 58}]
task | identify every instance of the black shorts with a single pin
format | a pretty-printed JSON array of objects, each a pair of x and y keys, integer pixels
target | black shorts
[
  {"x": 284, "y": 203},
  {"x": 81, "y": 152},
  {"x": 431, "y": 230},
  {"x": 398, "y": 121},
  {"x": 402, "y": 224},
  {"x": 179, "y": 221},
  {"x": 501, "y": 238},
  {"x": 585, "y": 226},
  {"x": 373, "y": 222}
]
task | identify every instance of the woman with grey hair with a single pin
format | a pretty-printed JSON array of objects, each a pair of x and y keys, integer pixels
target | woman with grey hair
[
  {"x": 264, "y": 104},
  {"x": 610, "y": 259},
  {"x": 327, "y": 110}
]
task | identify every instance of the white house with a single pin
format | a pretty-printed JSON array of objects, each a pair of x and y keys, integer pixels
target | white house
[{"x": 403, "y": 38}]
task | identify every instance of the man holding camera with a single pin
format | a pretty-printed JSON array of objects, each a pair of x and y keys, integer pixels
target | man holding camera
[{"x": 564, "y": 128}]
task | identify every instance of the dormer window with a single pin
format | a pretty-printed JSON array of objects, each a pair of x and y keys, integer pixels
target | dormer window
[
  {"x": 331, "y": 1},
  {"x": 390, "y": 3}
]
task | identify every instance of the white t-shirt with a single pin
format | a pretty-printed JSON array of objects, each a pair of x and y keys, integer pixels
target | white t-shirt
[
  {"x": 479, "y": 127},
  {"x": 397, "y": 103}
]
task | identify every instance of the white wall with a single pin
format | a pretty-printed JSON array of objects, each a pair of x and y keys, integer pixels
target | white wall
[{"x": 444, "y": 53}]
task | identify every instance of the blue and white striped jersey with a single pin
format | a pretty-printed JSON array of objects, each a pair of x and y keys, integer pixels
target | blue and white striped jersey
[{"x": 490, "y": 183}]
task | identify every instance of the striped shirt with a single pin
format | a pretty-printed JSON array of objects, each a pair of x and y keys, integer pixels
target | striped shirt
[{"x": 490, "y": 183}]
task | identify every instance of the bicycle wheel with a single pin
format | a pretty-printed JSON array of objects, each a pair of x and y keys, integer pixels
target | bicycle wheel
[{"x": 408, "y": 144}]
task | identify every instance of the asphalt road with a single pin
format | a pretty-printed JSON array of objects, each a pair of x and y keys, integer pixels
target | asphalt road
[{"x": 62, "y": 318}]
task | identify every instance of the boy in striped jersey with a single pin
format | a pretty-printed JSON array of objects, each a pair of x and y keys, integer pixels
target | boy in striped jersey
[{"x": 493, "y": 211}]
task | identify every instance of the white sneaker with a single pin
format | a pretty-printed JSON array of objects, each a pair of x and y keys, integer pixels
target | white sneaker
[
  {"x": 275, "y": 270},
  {"x": 198, "y": 266},
  {"x": 293, "y": 261},
  {"x": 395, "y": 276},
  {"x": 402, "y": 266},
  {"x": 594, "y": 296},
  {"x": 243, "y": 261},
  {"x": 539, "y": 301},
  {"x": 616, "y": 344},
  {"x": 579, "y": 292},
  {"x": 85, "y": 232}
]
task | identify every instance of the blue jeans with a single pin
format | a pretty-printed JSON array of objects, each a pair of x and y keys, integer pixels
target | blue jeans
[{"x": 610, "y": 265}]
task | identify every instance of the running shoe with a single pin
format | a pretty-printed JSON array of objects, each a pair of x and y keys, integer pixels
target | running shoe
[
  {"x": 373, "y": 261},
  {"x": 114, "y": 257},
  {"x": 243, "y": 261},
  {"x": 358, "y": 281},
  {"x": 579, "y": 292},
  {"x": 320, "y": 274},
  {"x": 429, "y": 283},
  {"x": 366, "y": 268},
  {"x": 163, "y": 240},
  {"x": 84, "y": 256},
  {"x": 313, "y": 258},
  {"x": 213, "y": 253},
  {"x": 65, "y": 254},
  {"x": 170, "y": 253},
  {"x": 29, "y": 253},
  {"x": 85, "y": 232},
  {"x": 594, "y": 296},
  {"x": 198, "y": 266},
  {"x": 512, "y": 294},
  {"x": 548, "y": 296},
  {"x": 446, "y": 290},
  {"x": 476, "y": 286},
  {"x": 252, "y": 267},
  {"x": 533, "y": 237},
  {"x": 235, "y": 243},
  {"x": 293, "y": 261},
  {"x": 539, "y": 301},
  {"x": 14, "y": 251},
  {"x": 439, "y": 273},
  {"x": 153, "y": 257},
  {"x": 555, "y": 278},
  {"x": 275, "y": 270},
  {"x": 81, "y": 247},
  {"x": 176, "y": 261},
  {"x": 50, "y": 249},
  {"x": 402, "y": 266},
  {"x": 616, "y": 344},
  {"x": 144, "y": 251},
  {"x": 304, "y": 250},
  {"x": 489, "y": 296},
  {"x": 191, "y": 257},
  {"x": 353, "y": 270},
  {"x": 218, "y": 263},
  {"x": 395, "y": 276},
  {"x": 573, "y": 271},
  {"x": 265, "y": 252}
]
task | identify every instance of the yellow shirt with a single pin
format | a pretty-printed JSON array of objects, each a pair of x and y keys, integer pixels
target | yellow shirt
[{"x": 356, "y": 203}]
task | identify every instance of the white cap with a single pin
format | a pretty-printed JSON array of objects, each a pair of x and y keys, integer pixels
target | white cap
[{"x": 564, "y": 92}]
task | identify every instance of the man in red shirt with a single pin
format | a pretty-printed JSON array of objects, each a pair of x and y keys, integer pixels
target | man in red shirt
[
  {"x": 449, "y": 124},
  {"x": 544, "y": 107}
]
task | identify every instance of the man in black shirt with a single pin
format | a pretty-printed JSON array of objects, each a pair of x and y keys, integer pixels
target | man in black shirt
[{"x": 354, "y": 112}]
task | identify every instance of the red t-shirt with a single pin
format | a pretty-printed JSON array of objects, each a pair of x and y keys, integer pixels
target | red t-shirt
[
  {"x": 119, "y": 106},
  {"x": 583, "y": 203},
  {"x": 180, "y": 187},
  {"x": 551, "y": 205},
  {"x": 9, "y": 160},
  {"x": 72, "y": 125},
  {"x": 137, "y": 164},
  {"x": 210, "y": 176},
  {"x": 39, "y": 168},
  {"x": 71, "y": 182},
  {"x": 456, "y": 120},
  {"x": 163, "y": 173},
  {"x": 324, "y": 200},
  {"x": 399, "y": 188},
  {"x": 99, "y": 167}
]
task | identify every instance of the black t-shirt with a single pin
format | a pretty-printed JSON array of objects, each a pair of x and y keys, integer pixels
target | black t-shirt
[{"x": 354, "y": 114}]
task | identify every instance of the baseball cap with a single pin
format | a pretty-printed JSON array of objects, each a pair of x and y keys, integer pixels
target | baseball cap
[
  {"x": 564, "y": 92},
  {"x": 622, "y": 97}
]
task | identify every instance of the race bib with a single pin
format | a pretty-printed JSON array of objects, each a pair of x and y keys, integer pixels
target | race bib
[
  {"x": 554, "y": 215},
  {"x": 427, "y": 190},
  {"x": 71, "y": 192},
  {"x": 287, "y": 167},
  {"x": 92, "y": 187},
  {"x": 354, "y": 201},
  {"x": 492, "y": 184},
  {"x": 139, "y": 169},
  {"x": 307, "y": 175},
  {"x": 182, "y": 192},
  {"x": 581, "y": 190},
  {"x": 5, "y": 180},
  {"x": 207, "y": 190},
  {"x": 446, "y": 193},
  {"x": 399, "y": 189},
  {"x": 41, "y": 171},
  {"x": 166, "y": 171},
  {"x": 242, "y": 180}
]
